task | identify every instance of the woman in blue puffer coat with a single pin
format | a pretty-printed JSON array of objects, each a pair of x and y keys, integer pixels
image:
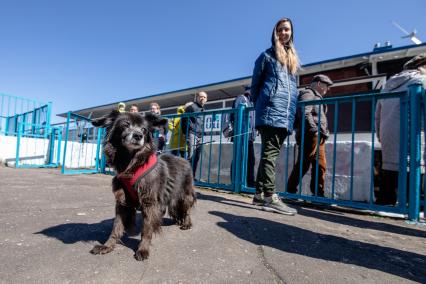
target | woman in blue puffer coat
[{"x": 274, "y": 92}]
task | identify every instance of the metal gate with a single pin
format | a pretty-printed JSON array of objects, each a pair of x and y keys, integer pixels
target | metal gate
[
  {"x": 37, "y": 146},
  {"x": 82, "y": 146}
]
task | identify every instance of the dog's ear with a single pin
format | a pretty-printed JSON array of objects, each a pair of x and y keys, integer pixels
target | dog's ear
[
  {"x": 155, "y": 120},
  {"x": 107, "y": 120},
  {"x": 110, "y": 152}
]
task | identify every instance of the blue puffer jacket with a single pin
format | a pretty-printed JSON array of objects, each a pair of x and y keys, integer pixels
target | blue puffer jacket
[{"x": 274, "y": 92}]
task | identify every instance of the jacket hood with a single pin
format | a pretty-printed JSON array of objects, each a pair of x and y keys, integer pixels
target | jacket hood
[
  {"x": 180, "y": 109},
  {"x": 404, "y": 78}
]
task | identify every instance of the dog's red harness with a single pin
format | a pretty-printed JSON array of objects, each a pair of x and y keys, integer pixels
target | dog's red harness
[{"x": 129, "y": 179}]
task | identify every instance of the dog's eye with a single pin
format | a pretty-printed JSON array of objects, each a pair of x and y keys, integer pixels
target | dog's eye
[
  {"x": 144, "y": 131},
  {"x": 125, "y": 124}
]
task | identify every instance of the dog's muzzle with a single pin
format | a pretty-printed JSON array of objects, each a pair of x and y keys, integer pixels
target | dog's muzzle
[{"x": 135, "y": 138}]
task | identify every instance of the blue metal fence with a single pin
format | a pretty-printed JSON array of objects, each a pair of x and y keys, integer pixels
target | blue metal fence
[
  {"x": 357, "y": 156},
  {"x": 15, "y": 110},
  {"x": 82, "y": 146},
  {"x": 216, "y": 153},
  {"x": 352, "y": 172},
  {"x": 38, "y": 146}
]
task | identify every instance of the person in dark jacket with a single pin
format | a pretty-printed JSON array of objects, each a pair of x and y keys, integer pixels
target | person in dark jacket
[
  {"x": 313, "y": 115},
  {"x": 274, "y": 92},
  {"x": 193, "y": 128}
]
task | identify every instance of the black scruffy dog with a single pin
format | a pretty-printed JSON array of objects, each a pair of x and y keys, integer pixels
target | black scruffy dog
[{"x": 144, "y": 181}]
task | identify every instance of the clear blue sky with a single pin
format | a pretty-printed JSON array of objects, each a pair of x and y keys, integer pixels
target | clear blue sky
[{"x": 83, "y": 53}]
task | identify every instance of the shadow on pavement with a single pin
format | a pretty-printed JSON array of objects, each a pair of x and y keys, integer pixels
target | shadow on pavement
[
  {"x": 224, "y": 200},
  {"x": 345, "y": 220},
  {"x": 71, "y": 233},
  {"x": 300, "y": 241},
  {"x": 330, "y": 216}
]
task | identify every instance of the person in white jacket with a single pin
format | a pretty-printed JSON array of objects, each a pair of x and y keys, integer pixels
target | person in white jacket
[{"x": 387, "y": 121}]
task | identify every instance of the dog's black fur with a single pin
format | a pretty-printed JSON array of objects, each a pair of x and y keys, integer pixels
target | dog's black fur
[{"x": 169, "y": 185}]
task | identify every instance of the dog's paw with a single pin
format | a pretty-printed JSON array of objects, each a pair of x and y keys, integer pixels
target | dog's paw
[
  {"x": 185, "y": 226},
  {"x": 101, "y": 249},
  {"x": 141, "y": 255}
]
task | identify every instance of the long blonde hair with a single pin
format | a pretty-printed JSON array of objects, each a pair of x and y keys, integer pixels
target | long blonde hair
[{"x": 286, "y": 55}]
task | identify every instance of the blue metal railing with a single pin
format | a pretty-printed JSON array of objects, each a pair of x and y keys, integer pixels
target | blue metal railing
[
  {"x": 351, "y": 172},
  {"x": 38, "y": 146},
  {"x": 15, "y": 110},
  {"x": 82, "y": 146},
  {"x": 213, "y": 165},
  {"x": 410, "y": 111}
]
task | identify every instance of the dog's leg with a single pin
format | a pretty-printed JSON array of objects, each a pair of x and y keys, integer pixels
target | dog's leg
[
  {"x": 122, "y": 215},
  {"x": 117, "y": 231},
  {"x": 185, "y": 205},
  {"x": 129, "y": 216},
  {"x": 184, "y": 220},
  {"x": 152, "y": 216}
]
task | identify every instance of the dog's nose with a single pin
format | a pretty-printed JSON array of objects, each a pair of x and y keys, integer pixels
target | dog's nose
[{"x": 137, "y": 136}]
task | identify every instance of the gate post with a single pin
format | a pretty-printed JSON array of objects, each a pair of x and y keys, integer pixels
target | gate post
[
  {"x": 414, "y": 93},
  {"x": 18, "y": 142},
  {"x": 98, "y": 150},
  {"x": 239, "y": 157},
  {"x": 66, "y": 142}
]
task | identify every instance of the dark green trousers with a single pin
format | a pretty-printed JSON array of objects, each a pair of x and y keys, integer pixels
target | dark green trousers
[{"x": 272, "y": 140}]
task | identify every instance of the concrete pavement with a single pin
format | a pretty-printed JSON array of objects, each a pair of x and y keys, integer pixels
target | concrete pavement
[{"x": 49, "y": 222}]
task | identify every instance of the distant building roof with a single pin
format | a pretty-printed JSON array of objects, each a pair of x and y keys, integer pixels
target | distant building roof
[{"x": 232, "y": 88}]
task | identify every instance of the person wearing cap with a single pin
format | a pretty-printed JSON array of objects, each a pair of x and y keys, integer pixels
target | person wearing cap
[
  {"x": 387, "y": 122},
  {"x": 313, "y": 115},
  {"x": 274, "y": 92},
  {"x": 246, "y": 100}
]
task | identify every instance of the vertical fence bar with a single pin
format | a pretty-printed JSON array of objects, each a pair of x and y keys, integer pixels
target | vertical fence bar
[
  {"x": 414, "y": 92},
  {"x": 403, "y": 148},
  {"x": 187, "y": 138},
  {"x": 220, "y": 148},
  {"x": 352, "y": 148},
  {"x": 177, "y": 124},
  {"x": 98, "y": 149},
  {"x": 18, "y": 145},
  {"x": 48, "y": 113},
  {"x": 320, "y": 108},
  {"x": 245, "y": 141},
  {"x": 66, "y": 142},
  {"x": 373, "y": 112},
  {"x": 210, "y": 149},
  {"x": 301, "y": 147},
  {"x": 287, "y": 159},
  {"x": 58, "y": 154},
  {"x": 336, "y": 116},
  {"x": 424, "y": 153},
  {"x": 194, "y": 145},
  {"x": 201, "y": 148},
  {"x": 237, "y": 141},
  {"x": 52, "y": 145}
]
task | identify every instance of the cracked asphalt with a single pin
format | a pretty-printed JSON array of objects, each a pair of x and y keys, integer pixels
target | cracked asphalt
[{"x": 49, "y": 222}]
